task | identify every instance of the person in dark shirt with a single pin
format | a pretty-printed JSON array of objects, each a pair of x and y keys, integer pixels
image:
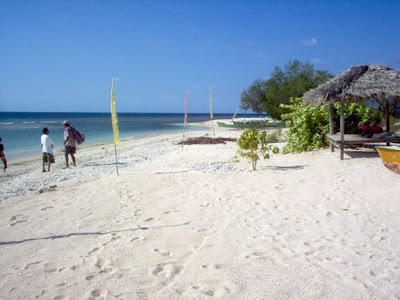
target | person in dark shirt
[{"x": 2, "y": 155}]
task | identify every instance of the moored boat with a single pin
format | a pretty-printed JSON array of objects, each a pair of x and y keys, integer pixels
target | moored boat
[
  {"x": 390, "y": 156},
  {"x": 252, "y": 124}
]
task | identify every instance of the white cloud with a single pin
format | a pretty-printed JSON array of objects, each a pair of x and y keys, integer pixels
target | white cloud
[
  {"x": 312, "y": 42},
  {"x": 315, "y": 60}
]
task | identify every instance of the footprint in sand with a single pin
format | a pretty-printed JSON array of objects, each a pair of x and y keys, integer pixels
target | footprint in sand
[
  {"x": 162, "y": 253},
  {"x": 167, "y": 270},
  {"x": 17, "y": 219},
  {"x": 103, "y": 265},
  {"x": 257, "y": 254},
  {"x": 31, "y": 265},
  {"x": 99, "y": 293},
  {"x": 116, "y": 236},
  {"x": 46, "y": 208},
  {"x": 90, "y": 277},
  {"x": 93, "y": 250}
]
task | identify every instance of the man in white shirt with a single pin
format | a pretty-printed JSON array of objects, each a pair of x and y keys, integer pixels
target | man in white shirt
[{"x": 47, "y": 148}]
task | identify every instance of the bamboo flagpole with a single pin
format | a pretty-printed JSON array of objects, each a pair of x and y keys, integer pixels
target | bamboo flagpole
[
  {"x": 114, "y": 121},
  {"x": 236, "y": 111},
  {"x": 211, "y": 111},
  {"x": 188, "y": 92}
]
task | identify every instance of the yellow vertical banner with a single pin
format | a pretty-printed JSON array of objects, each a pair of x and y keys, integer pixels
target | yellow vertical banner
[{"x": 114, "y": 115}]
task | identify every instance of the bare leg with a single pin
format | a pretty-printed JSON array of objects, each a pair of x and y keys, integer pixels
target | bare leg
[
  {"x": 48, "y": 170},
  {"x": 73, "y": 159},
  {"x": 5, "y": 163},
  {"x": 44, "y": 169},
  {"x": 66, "y": 161}
]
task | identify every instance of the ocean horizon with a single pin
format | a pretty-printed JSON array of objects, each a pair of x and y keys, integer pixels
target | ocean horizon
[{"x": 21, "y": 131}]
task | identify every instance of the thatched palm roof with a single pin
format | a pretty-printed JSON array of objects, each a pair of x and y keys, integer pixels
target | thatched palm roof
[{"x": 358, "y": 83}]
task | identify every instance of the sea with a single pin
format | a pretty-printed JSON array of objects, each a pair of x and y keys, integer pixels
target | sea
[{"x": 21, "y": 131}]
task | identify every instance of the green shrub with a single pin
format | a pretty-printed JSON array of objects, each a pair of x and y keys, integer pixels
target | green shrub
[
  {"x": 252, "y": 143},
  {"x": 274, "y": 136},
  {"x": 308, "y": 124},
  {"x": 355, "y": 114}
]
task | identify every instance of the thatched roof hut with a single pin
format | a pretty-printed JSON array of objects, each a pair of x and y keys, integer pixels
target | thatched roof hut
[
  {"x": 355, "y": 84},
  {"x": 358, "y": 83}
]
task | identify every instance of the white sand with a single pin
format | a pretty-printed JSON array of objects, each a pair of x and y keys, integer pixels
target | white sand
[{"x": 199, "y": 224}]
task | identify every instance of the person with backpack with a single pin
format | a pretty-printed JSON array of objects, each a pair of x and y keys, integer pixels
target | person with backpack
[{"x": 72, "y": 137}]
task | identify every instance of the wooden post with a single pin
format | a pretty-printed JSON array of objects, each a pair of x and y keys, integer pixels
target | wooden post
[
  {"x": 387, "y": 115},
  {"x": 116, "y": 158},
  {"x": 331, "y": 130},
  {"x": 341, "y": 129},
  {"x": 387, "y": 118}
]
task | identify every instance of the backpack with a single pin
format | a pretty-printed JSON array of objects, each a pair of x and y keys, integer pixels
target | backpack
[{"x": 78, "y": 136}]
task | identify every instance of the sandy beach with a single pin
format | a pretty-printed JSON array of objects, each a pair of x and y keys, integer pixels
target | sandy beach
[{"x": 195, "y": 222}]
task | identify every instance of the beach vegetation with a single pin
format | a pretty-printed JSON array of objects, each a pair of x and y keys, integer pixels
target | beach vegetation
[
  {"x": 274, "y": 136},
  {"x": 291, "y": 82},
  {"x": 252, "y": 144},
  {"x": 252, "y": 97},
  {"x": 308, "y": 124}
]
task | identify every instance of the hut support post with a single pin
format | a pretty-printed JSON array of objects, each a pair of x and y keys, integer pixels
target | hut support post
[
  {"x": 387, "y": 108},
  {"x": 331, "y": 123},
  {"x": 387, "y": 115},
  {"x": 341, "y": 130}
]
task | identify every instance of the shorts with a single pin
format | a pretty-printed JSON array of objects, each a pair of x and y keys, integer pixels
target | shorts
[
  {"x": 69, "y": 150},
  {"x": 47, "y": 157}
]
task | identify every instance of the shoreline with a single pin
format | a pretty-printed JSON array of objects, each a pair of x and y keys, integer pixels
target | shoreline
[
  {"x": 33, "y": 154},
  {"x": 198, "y": 223},
  {"x": 24, "y": 176}
]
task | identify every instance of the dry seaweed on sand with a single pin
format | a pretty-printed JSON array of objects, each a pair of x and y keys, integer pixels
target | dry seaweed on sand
[{"x": 206, "y": 140}]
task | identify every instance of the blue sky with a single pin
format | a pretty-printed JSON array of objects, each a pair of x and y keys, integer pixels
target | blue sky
[{"x": 61, "y": 55}]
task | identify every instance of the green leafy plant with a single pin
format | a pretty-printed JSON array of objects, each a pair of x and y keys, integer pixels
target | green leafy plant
[
  {"x": 274, "y": 136},
  {"x": 355, "y": 114},
  {"x": 252, "y": 143},
  {"x": 308, "y": 124}
]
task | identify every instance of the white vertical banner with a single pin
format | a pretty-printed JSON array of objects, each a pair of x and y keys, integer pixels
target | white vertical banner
[
  {"x": 188, "y": 92},
  {"x": 211, "y": 109}
]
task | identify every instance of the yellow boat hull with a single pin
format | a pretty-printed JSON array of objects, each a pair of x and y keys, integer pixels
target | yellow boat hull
[{"x": 390, "y": 156}]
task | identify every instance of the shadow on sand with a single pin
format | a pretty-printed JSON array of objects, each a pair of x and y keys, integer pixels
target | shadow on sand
[
  {"x": 96, "y": 233},
  {"x": 99, "y": 165},
  {"x": 284, "y": 168},
  {"x": 361, "y": 154}
]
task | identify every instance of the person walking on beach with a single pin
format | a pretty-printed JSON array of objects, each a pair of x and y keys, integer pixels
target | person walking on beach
[
  {"x": 47, "y": 148},
  {"x": 69, "y": 143},
  {"x": 2, "y": 155}
]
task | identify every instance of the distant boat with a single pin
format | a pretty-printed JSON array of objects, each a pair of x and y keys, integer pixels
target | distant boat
[
  {"x": 390, "y": 156},
  {"x": 252, "y": 124}
]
